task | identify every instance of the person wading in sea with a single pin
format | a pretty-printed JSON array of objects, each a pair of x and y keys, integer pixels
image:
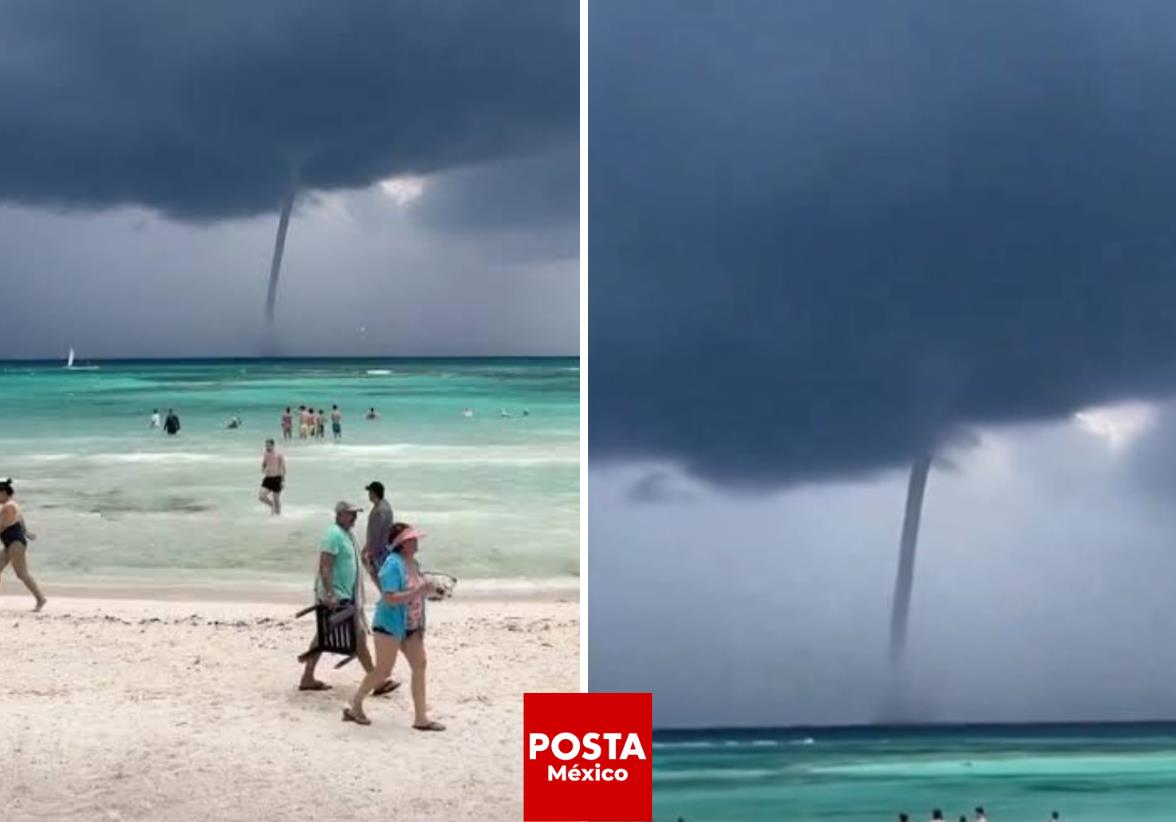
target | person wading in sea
[
  {"x": 171, "y": 424},
  {"x": 273, "y": 477},
  {"x": 336, "y": 422},
  {"x": 14, "y": 537}
]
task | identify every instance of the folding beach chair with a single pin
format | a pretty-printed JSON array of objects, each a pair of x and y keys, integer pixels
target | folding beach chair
[{"x": 334, "y": 631}]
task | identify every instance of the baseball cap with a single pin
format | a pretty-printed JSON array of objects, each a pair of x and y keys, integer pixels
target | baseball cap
[
  {"x": 376, "y": 486},
  {"x": 346, "y": 508}
]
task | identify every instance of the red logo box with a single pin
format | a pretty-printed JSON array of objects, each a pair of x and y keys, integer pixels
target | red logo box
[{"x": 587, "y": 757}]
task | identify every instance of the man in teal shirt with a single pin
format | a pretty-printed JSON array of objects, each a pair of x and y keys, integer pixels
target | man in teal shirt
[
  {"x": 337, "y": 582},
  {"x": 338, "y": 569}
]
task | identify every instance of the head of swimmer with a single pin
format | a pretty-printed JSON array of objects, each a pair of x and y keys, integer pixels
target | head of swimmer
[
  {"x": 7, "y": 492},
  {"x": 269, "y": 445}
]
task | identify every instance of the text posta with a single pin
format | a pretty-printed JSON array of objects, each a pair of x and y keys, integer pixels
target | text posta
[{"x": 566, "y": 746}]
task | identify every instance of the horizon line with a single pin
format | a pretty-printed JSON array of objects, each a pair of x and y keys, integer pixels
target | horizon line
[
  {"x": 1077, "y": 723},
  {"x": 245, "y": 358}
]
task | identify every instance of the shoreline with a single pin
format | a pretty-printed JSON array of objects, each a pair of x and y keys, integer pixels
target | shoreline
[{"x": 275, "y": 593}]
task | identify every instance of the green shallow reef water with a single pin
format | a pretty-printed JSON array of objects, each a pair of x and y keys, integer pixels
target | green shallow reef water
[
  {"x": 111, "y": 498},
  {"x": 1022, "y": 773}
]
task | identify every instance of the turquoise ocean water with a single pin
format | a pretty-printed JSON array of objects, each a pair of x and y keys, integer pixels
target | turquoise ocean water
[
  {"x": 111, "y": 499},
  {"x": 1088, "y": 773}
]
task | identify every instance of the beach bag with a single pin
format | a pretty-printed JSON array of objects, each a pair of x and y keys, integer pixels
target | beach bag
[{"x": 443, "y": 584}]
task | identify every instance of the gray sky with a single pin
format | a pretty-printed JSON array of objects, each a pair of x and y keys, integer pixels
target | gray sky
[
  {"x": 827, "y": 238},
  {"x": 1043, "y": 588},
  {"x": 129, "y": 283},
  {"x": 146, "y": 148}
]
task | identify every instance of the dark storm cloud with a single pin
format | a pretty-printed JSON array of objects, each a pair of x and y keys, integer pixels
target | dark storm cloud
[
  {"x": 211, "y": 110},
  {"x": 824, "y": 234},
  {"x": 540, "y": 191},
  {"x": 535, "y": 200}
]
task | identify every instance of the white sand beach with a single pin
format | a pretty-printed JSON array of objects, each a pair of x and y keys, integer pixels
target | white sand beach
[{"x": 186, "y": 708}]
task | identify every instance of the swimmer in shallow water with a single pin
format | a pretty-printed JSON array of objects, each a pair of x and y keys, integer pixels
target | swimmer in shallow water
[
  {"x": 171, "y": 423},
  {"x": 273, "y": 478},
  {"x": 15, "y": 537}
]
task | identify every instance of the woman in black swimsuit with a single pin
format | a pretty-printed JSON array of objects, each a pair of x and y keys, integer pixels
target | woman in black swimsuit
[{"x": 14, "y": 537}]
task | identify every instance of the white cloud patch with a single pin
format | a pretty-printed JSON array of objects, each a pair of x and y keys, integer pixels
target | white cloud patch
[
  {"x": 1119, "y": 424},
  {"x": 403, "y": 190}
]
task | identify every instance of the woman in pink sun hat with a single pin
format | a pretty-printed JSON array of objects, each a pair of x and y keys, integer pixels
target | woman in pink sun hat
[{"x": 399, "y": 625}]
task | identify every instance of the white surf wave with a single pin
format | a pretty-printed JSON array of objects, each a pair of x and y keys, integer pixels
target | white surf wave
[{"x": 404, "y": 453}]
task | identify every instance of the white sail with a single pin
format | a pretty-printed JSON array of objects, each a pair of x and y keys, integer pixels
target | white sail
[{"x": 69, "y": 362}]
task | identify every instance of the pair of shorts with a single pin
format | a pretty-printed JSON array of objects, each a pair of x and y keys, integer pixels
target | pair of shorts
[
  {"x": 407, "y": 635},
  {"x": 15, "y": 532},
  {"x": 272, "y": 484},
  {"x": 337, "y": 428}
]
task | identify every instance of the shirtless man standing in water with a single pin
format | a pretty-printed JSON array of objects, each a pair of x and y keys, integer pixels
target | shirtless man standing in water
[
  {"x": 273, "y": 473},
  {"x": 14, "y": 536}
]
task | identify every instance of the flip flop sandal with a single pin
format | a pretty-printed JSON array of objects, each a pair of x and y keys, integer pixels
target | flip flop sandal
[
  {"x": 387, "y": 688},
  {"x": 315, "y": 686},
  {"x": 432, "y": 726},
  {"x": 351, "y": 716}
]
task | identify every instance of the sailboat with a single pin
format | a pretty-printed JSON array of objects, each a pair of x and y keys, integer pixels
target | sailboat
[{"x": 69, "y": 364}]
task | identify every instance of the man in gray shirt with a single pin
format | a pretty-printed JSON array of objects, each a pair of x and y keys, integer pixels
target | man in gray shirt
[{"x": 379, "y": 524}]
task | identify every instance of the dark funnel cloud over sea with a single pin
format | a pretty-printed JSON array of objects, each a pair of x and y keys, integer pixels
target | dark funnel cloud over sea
[
  {"x": 834, "y": 242},
  {"x": 251, "y": 166}
]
